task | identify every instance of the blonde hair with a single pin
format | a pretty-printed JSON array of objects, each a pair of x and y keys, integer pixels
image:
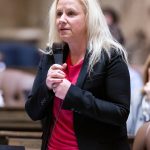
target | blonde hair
[{"x": 99, "y": 36}]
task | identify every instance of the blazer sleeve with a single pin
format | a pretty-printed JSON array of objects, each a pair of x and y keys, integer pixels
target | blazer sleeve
[
  {"x": 113, "y": 108},
  {"x": 40, "y": 97}
]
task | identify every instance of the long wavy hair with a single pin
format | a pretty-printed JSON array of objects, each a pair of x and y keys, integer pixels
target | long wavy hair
[{"x": 99, "y": 36}]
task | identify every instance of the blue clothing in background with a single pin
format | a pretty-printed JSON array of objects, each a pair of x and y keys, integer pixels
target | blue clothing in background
[
  {"x": 19, "y": 54},
  {"x": 136, "y": 96}
]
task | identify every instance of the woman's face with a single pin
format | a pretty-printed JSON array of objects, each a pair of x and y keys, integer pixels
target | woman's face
[{"x": 70, "y": 20}]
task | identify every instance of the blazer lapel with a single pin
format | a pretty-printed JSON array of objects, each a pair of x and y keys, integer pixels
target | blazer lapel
[{"x": 83, "y": 73}]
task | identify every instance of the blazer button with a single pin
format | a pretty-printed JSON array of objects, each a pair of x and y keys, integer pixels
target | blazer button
[{"x": 43, "y": 101}]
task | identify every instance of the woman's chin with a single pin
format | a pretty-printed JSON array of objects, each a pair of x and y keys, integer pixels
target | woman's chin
[{"x": 65, "y": 38}]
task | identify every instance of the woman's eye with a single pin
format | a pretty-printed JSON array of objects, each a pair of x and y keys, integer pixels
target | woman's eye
[
  {"x": 71, "y": 13},
  {"x": 58, "y": 14}
]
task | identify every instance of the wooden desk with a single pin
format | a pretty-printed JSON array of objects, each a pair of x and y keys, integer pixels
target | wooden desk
[
  {"x": 30, "y": 140},
  {"x": 16, "y": 119},
  {"x": 29, "y": 144}
]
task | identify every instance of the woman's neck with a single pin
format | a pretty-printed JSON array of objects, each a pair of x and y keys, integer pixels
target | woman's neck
[{"x": 77, "y": 52}]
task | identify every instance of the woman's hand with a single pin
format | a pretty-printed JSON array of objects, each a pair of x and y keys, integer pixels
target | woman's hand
[
  {"x": 56, "y": 80},
  {"x": 55, "y": 75},
  {"x": 62, "y": 88}
]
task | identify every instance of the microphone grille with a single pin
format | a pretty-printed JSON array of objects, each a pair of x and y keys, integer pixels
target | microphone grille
[{"x": 57, "y": 47}]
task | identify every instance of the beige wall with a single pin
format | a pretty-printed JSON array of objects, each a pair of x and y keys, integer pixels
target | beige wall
[
  {"x": 21, "y": 13},
  {"x": 19, "y": 16}
]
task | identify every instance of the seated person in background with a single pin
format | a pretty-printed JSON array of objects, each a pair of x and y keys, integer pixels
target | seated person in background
[
  {"x": 136, "y": 95},
  {"x": 144, "y": 106},
  {"x": 112, "y": 19},
  {"x": 14, "y": 84}
]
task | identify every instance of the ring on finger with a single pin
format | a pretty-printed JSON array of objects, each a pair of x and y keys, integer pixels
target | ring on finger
[{"x": 53, "y": 85}]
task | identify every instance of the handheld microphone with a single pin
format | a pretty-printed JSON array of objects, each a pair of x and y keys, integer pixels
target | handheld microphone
[
  {"x": 58, "y": 52},
  {"x": 57, "y": 49}
]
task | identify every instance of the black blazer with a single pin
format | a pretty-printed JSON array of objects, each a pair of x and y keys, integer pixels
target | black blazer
[{"x": 100, "y": 102}]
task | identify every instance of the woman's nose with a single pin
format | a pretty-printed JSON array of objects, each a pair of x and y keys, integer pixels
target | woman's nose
[{"x": 62, "y": 19}]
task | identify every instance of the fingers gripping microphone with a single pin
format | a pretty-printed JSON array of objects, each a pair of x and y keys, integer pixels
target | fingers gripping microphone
[{"x": 58, "y": 52}]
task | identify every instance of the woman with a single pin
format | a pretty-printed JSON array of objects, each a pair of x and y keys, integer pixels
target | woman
[{"x": 85, "y": 101}]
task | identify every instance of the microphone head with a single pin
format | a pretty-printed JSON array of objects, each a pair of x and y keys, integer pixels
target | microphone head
[
  {"x": 58, "y": 52},
  {"x": 57, "y": 47}
]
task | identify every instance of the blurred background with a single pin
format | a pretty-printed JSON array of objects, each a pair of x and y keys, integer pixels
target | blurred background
[
  {"x": 24, "y": 29},
  {"x": 26, "y": 21},
  {"x": 134, "y": 22}
]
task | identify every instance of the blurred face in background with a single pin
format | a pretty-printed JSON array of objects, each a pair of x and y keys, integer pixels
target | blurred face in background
[
  {"x": 109, "y": 19},
  {"x": 70, "y": 20}
]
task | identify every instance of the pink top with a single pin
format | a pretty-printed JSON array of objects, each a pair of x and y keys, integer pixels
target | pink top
[{"x": 63, "y": 136}]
